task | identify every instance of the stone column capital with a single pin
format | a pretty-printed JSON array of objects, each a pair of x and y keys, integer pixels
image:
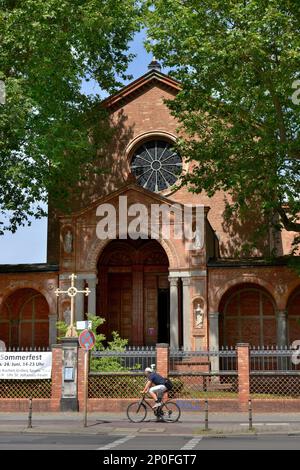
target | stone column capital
[
  {"x": 186, "y": 281},
  {"x": 214, "y": 315},
  {"x": 281, "y": 313},
  {"x": 173, "y": 281}
]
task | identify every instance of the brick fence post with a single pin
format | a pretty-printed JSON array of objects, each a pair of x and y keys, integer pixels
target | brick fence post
[
  {"x": 243, "y": 357},
  {"x": 162, "y": 359},
  {"x": 56, "y": 377}
]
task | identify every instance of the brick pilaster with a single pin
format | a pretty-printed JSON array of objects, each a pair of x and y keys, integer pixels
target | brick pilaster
[
  {"x": 56, "y": 376},
  {"x": 162, "y": 359},
  {"x": 243, "y": 356}
]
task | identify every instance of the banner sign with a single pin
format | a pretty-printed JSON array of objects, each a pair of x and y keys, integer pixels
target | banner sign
[{"x": 25, "y": 365}]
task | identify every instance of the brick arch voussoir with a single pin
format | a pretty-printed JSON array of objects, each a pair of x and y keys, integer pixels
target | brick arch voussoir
[
  {"x": 239, "y": 281},
  {"x": 99, "y": 245}
]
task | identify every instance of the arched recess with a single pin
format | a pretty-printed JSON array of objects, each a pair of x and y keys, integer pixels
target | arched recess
[
  {"x": 293, "y": 315},
  {"x": 24, "y": 319},
  {"x": 133, "y": 291},
  {"x": 247, "y": 314}
]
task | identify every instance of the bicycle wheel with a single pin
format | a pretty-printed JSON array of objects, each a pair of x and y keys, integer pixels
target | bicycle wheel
[
  {"x": 136, "y": 412},
  {"x": 170, "y": 412}
]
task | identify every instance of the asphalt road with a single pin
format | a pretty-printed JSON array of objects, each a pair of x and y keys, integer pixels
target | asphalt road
[{"x": 152, "y": 443}]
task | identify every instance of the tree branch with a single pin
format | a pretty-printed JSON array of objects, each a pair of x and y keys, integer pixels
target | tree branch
[{"x": 287, "y": 223}]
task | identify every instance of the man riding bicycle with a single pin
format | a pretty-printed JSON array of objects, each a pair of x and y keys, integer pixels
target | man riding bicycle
[{"x": 158, "y": 386}]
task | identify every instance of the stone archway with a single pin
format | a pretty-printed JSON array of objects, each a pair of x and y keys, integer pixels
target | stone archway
[
  {"x": 247, "y": 314},
  {"x": 24, "y": 319},
  {"x": 133, "y": 291}
]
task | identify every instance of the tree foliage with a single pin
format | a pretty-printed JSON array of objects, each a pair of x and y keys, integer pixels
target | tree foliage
[
  {"x": 239, "y": 66},
  {"x": 106, "y": 363},
  {"x": 50, "y": 131}
]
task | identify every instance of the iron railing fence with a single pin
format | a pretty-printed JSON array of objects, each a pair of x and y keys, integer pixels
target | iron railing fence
[
  {"x": 133, "y": 359},
  {"x": 274, "y": 359},
  {"x": 28, "y": 349},
  {"x": 219, "y": 360},
  {"x": 185, "y": 385}
]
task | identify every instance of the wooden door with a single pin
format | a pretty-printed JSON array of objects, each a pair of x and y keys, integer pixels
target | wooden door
[{"x": 119, "y": 305}]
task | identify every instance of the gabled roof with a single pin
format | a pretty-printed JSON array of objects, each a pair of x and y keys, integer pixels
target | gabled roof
[
  {"x": 124, "y": 189},
  {"x": 145, "y": 81}
]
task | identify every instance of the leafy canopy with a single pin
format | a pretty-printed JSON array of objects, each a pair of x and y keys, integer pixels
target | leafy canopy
[
  {"x": 50, "y": 132},
  {"x": 239, "y": 66}
]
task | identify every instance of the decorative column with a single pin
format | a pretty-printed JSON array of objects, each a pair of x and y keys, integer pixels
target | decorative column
[
  {"x": 282, "y": 328},
  {"x": 174, "y": 341},
  {"x": 92, "y": 297},
  {"x": 79, "y": 299},
  {"x": 52, "y": 329},
  {"x": 214, "y": 339},
  {"x": 186, "y": 313}
]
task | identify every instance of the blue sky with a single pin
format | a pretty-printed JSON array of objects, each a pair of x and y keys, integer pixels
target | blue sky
[{"x": 29, "y": 244}]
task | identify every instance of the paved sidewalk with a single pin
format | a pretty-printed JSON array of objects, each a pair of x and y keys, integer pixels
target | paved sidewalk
[{"x": 191, "y": 423}]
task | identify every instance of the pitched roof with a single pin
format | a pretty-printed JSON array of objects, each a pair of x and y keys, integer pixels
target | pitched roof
[{"x": 145, "y": 81}]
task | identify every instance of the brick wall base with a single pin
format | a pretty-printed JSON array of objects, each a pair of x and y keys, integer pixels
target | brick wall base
[
  {"x": 115, "y": 405},
  {"x": 22, "y": 404}
]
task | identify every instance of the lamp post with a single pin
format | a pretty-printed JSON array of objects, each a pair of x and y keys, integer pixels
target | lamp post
[{"x": 72, "y": 292}]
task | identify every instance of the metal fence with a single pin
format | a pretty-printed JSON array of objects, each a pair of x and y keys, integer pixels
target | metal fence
[
  {"x": 274, "y": 373},
  {"x": 273, "y": 360},
  {"x": 35, "y": 388},
  {"x": 223, "y": 360},
  {"x": 133, "y": 359},
  {"x": 25, "y": 388}
]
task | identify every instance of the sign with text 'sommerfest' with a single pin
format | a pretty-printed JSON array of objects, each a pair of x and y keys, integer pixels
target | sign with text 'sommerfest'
[{"x": 25, "y": 365}]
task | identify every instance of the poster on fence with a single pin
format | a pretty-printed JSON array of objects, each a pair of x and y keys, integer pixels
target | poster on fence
[{"x": 25, "y": 365}]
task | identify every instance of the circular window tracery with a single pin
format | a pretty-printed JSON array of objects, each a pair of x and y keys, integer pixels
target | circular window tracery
[{"x": 156, "y": 165}]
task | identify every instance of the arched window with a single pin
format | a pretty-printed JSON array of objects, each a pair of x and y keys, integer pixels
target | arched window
[
  {"x": 24, "y": 319},
  {"x": 247, "y": 315}
]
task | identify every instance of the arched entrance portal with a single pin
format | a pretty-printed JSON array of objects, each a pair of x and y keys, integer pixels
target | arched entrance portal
[
  {"x": 24, "y": 319},
  {"x": 133, "y": 291},
  {"x": 247, "y": 314}
]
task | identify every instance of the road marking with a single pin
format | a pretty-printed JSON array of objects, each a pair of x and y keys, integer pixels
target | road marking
[
  {"x": 265, "y": 424},
  {"x": 191, "y": 443},
  {"x": 116, "y": 443}
]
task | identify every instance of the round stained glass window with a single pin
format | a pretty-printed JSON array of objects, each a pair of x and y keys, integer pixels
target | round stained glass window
[{"x": 156, "y": 165}]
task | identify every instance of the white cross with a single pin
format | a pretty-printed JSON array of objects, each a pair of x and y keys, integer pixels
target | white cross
[{"x": 72, "y": 292}]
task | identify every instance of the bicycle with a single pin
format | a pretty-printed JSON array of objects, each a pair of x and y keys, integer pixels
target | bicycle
[{"x": 168, "y": 412}]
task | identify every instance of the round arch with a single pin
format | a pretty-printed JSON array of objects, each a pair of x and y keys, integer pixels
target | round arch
[
  {"x": 247, "y": 314},
  {"x": 239, "y": 280},
  {"x": 24, "y": 319},
  {"x": 133, "y": 291},
  {"x": 98, "y": 247}
]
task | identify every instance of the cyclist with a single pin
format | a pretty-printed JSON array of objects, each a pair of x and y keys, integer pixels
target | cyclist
[{"x": 158, "y": 386}]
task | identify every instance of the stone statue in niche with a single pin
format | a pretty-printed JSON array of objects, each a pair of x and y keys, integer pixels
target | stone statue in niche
[
  {"x": 2, "y": 346},
  {"x": 67, "y": 316},
  {"x": 199, "y": 316},
  {"x": 68, "y": 242}
]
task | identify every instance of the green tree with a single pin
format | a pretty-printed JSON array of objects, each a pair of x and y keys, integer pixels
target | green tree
[
  {"x": 50, "y": 132},
  {"x": 239, "y": 66},
  {"x": 107, "y": 363}
]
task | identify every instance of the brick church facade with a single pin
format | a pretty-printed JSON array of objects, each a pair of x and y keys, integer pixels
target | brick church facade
[{"x": 152, "y": 290}]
